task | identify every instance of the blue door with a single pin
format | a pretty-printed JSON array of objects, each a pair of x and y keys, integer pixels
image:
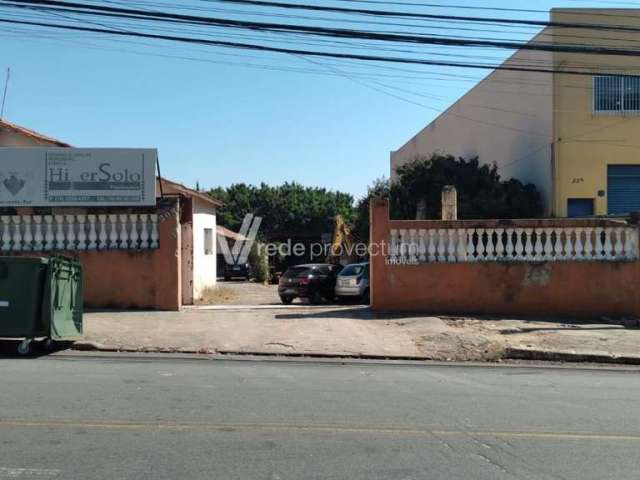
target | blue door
[
  {"x": 624, "y": 189},
  {"x": 580, "y": 207}
]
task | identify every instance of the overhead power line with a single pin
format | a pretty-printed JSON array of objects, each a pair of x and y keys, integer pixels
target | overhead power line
[
  {"x": 292, "y": 51},
  {"x": 391, "y": 13},
  {"x": 443, "y": 5},
  {"x": 100, "y": 10},
  {"x": 421, "y": 26}
]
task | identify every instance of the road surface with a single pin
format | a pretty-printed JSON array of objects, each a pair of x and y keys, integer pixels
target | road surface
[{"x": 130, "y": 418}]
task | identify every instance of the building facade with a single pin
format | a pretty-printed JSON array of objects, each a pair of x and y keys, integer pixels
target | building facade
[
  {"x": 572, "y": 135},
  {"x": 154, "y": 257},
  {"x": 199, "y": 248}
]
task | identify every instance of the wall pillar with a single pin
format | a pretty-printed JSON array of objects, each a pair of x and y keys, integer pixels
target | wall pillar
[
  {"x": 167, "y": 262},
  {"x": 449, "y": 203},
  {"x": 378, "y": 249}
]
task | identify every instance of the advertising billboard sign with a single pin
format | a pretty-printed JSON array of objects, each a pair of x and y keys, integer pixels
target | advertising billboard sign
[{"x": 59, "y": 177}]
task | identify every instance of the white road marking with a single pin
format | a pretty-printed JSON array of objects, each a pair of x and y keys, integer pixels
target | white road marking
[{"x": 12, "y": 472}]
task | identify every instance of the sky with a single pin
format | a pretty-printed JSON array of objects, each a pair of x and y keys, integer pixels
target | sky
[{"x": 214, "y": 123}]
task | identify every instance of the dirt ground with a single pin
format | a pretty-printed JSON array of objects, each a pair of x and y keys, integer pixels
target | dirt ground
[
  {"x": 244, "y": 293},
  {"x": 240, "y": 293}
]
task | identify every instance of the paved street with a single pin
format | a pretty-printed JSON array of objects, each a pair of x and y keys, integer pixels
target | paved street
[{"x": 92, "y": 418}]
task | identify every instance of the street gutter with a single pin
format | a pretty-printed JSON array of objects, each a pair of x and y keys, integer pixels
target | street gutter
[{"x": 508, "y": 354}]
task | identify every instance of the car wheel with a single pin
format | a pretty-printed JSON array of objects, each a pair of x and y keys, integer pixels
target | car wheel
[
  {"x": 365, "y": 297},
  {"x": 317, "y": 298},
  {"x": 286, "y": 300}
]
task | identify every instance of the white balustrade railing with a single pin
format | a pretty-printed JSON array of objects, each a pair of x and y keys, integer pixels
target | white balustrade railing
[
  {"x": 534, "y": 244},
  {"x": 128, "y": 231}
]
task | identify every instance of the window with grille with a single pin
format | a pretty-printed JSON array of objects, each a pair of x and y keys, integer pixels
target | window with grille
[{"x": 616, "y": 94}]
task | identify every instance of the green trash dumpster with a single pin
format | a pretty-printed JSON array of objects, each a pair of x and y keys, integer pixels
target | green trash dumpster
[{"x": 40, "y": 297}]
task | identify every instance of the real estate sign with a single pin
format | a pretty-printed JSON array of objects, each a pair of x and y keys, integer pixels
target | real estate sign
[{"x": 34, "y": 177}]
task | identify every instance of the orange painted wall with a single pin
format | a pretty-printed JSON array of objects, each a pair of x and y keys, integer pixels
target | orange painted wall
[
  {"x": 144, "y": 279},
  {"x": 581, "y": 289},
  {"x": 141, "y": 279}
]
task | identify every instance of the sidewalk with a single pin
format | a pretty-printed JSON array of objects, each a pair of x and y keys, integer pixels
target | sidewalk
[{"x": 357, "y": 332}]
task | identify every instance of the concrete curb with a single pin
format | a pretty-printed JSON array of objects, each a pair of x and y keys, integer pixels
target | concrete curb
[
  {"x": 95, "y": 346},
  {"x": 515, "y": 353},
  {"x": 510, "y": 353},
  {"x": 85, "y": 346}
]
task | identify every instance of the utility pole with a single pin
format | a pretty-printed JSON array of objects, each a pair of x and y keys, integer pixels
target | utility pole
[{"x": 4, "y": 95}]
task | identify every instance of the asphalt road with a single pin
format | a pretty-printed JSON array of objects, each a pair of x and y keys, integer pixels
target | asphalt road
[{"x": 120, "y": 418}]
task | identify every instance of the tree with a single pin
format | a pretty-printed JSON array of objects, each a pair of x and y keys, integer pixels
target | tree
[
  {"x": 481, "y": 192},
  {"x": 379, "y": 188},
  {"x": 290, "y": 210}
]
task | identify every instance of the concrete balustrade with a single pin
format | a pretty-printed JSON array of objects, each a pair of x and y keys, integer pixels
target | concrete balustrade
[
  {"x": 33, "y": 233},
  {"x": 536, "y": 267},
  {"x": 524, "y": 244}
]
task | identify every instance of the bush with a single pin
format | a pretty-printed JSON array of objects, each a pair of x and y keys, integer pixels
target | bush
[
  {"x": 259, "y": 263},
  {"x": 481, "y": 192}
]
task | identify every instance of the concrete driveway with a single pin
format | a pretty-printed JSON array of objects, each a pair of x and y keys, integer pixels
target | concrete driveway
[
  {"x": 312, "y": 330},
  {"x": 238, "y": 292}
]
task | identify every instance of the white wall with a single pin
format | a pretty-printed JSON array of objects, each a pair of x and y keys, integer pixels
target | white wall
[
  {"x": 204, "y": 266},
  {"x": 507, "y": 119}
]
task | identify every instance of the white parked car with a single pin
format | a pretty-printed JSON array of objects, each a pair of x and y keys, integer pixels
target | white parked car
[{"x": 353, "y": 281}]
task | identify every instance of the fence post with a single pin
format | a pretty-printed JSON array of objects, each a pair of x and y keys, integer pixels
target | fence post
[
  {"x": 449, "y": 203},
  {"x": 379, "y": 237}
]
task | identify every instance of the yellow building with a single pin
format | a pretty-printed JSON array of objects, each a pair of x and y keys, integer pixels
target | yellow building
[
  {"x": 597, "y": 117},
  {"x": 575, "y": 136}
]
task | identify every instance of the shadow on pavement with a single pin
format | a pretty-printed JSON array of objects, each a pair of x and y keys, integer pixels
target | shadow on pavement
[
  {"x": 550, "y": 323},
  {"x": 360, "y": 313},
  {"x": 568, "y": 327},
  {"x": 9, "y": 348}
]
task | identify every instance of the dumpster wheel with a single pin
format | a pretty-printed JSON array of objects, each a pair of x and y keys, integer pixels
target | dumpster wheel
[{"x": 24, "y": 347}]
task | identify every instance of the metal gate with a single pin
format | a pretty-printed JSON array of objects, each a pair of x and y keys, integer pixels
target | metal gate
[{"x": 623, "y": 189}]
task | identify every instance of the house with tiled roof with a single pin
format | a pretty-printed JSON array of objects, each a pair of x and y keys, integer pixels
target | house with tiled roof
[
  {"x": 12, "y": 135},
  {"x": 159, "y": 257}
]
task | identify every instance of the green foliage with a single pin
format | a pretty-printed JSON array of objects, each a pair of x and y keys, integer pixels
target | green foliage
[
  {"x": 289, "y": 210},
  {"x": 294, "y": 211},
  {"x": 379, "y": 188},
  {"x": 259, "y": 262},
  {"x": 481, "y": 193}
]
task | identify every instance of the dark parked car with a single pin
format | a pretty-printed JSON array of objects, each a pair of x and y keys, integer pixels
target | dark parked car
[
  {"x": 315, "y": 282},
  {"x": 237, "y": 270}
]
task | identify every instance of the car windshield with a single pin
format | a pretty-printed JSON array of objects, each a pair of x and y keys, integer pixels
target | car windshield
[{"x": 352, "y": 270}]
